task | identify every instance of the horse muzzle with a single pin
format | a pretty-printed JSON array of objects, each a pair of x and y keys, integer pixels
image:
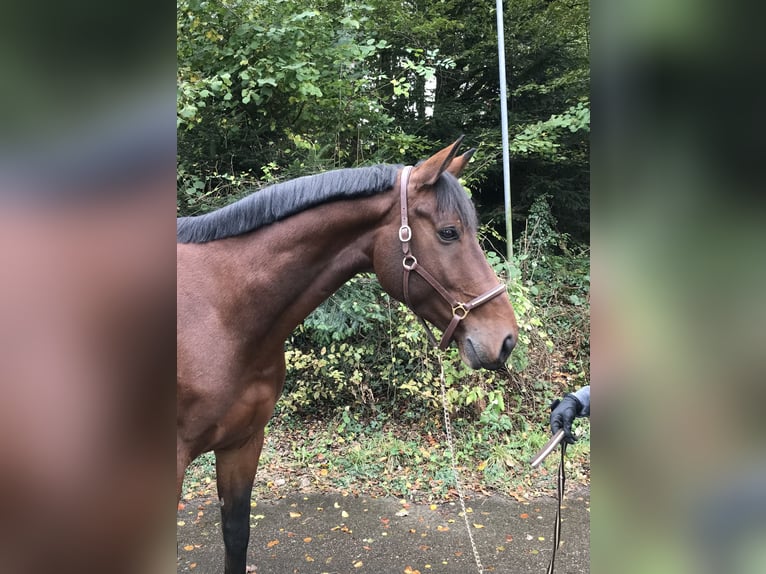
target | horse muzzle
[{"x": 477, "y": 356}]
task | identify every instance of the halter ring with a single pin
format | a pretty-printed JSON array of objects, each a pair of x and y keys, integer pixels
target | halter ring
[
  {"x": 460, "y": 311},
  {"x": 406, "y": 262}
]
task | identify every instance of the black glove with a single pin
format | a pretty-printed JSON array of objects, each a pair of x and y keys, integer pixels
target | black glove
[{"x": 563, "y": 412}]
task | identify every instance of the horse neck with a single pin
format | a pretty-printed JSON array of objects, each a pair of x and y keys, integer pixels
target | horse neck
[{"x": 282, "y": 272}]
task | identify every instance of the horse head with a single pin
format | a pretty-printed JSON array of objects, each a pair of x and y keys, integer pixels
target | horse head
[{"x": 429, "y": 257}]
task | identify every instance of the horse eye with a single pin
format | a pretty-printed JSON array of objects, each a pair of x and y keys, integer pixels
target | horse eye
[{"x": 449, "y": 234}]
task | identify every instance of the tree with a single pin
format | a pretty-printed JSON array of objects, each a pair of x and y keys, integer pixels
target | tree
[{"x": 283, "y": 88}]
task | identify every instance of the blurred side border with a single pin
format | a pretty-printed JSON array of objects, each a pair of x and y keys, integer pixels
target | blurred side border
[
  {"x": 678, "y": 275},
  {"x": 87, "y": 299}
]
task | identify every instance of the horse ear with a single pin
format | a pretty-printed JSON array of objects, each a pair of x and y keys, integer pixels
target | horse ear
[
  {"x": 457, "y": 165},
  {"x": 429, "y": 172}
]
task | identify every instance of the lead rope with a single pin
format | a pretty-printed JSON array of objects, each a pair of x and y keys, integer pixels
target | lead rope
[
  {"x": 539, "y": 458},
  {"x": 560, "y": 482},
  {"x": 458, "y": 485},
  {"x": 559, "y": 498}
]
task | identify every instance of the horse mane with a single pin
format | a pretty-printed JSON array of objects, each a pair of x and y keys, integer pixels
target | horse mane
[{"x": 276, "y": 202}]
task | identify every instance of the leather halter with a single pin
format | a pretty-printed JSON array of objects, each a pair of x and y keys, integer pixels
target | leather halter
[{"x": 410, "y": 263}]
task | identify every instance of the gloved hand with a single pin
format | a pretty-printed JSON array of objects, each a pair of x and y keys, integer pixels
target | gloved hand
[{"x": 563, "y": 412}]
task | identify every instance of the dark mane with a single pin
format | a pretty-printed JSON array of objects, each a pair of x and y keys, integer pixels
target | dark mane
[{"x": 279, "y": 201}]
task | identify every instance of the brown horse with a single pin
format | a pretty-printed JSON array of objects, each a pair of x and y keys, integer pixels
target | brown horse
[{"x": 249, "y": 273}]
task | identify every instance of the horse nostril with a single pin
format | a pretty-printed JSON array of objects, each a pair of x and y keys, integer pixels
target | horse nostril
[{"x": 508, "y": 345}]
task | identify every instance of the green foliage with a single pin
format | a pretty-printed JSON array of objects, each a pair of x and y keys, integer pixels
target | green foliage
[
  {"x": 286, "y": 82},
  {"x": 540, "y": 236},
  {"x": 542, "y": 138},
  {"x": 352, "y": 313},
  {"x": 300, "y": 87},
  {"x": 557, "y": 276}
]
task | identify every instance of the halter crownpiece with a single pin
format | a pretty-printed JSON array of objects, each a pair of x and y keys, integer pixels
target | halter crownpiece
[{"x": 410, "y": 263}]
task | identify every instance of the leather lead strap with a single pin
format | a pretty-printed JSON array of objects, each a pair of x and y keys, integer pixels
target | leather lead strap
[
  {"x": 538, "y": 459},
  {"x": 559, "y": 497}
]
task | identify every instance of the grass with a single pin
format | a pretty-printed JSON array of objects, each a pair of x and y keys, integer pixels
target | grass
[{"x": 402, "y": 459}]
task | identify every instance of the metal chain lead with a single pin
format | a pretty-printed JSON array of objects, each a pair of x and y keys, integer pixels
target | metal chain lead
[{"x": 458, "y": 485}]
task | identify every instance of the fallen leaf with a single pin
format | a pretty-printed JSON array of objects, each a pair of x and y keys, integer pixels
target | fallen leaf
[
  {"x": 295, "y": 514},
  {"x": 475, "y": 525},
  {"x": 441, "y": 528},
  {"x": 309, "y": 558},
  {"x": 307, "y": 539},
  {"x": 181, "y": 523},
  {"x": 272, "y": 544},
  {"x": 433, "y": 507},
  {"x": 524, "y": 515},
  {"x": 188, "y": 547},
  {"x": 344, "y": 514},
  {"x": 403, "y": 512},
  {"x": 192, "y": 566},
  {"x": 358, "y": 564}
]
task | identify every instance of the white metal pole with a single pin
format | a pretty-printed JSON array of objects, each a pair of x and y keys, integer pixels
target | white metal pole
[{"x": 504, "y": 126}]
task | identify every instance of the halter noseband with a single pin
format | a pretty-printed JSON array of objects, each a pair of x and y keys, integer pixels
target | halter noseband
[{"x": 410, "y": 263}]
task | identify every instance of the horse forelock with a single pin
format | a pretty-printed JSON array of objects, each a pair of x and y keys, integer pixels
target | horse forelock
[{"x": 452, "y": 198}]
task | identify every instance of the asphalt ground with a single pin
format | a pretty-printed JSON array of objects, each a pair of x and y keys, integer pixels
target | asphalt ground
[{"x": 337, "y": 534}]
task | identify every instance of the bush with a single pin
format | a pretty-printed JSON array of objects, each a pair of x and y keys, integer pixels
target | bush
[{"x": 360, "y": 347}]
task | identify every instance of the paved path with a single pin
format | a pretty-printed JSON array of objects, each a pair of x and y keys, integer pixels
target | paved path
[{"x": 330, "y": 533}]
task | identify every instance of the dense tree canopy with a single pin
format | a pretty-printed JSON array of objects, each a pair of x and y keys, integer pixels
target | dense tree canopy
[{"x": 278, "y": 88}]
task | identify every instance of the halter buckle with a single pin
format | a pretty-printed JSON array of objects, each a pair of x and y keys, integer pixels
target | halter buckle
[
  {"x": 460, "y": 311},
  {"x": 409, "y": 262},
  {"x": 405, "y": 230}
]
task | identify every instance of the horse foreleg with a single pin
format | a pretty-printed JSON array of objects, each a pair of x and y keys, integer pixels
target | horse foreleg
[
  {"x": 235, "y": 473},
  {"x": 182, "y": 461}
]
